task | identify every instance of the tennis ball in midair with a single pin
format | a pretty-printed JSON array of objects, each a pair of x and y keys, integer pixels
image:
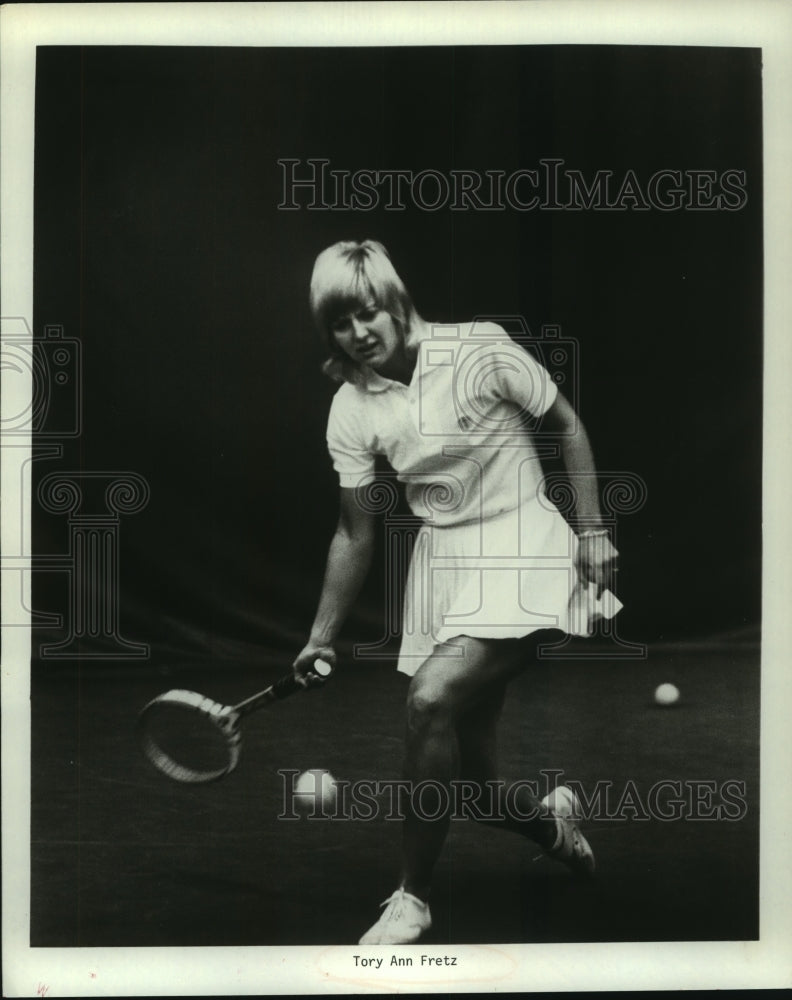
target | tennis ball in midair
[
  {"x": 315, "y": 791},
  {"x": 666, "y": 694}
]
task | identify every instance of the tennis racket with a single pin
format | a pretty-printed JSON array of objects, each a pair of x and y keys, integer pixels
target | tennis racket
[{"x": 190, "y": 738}]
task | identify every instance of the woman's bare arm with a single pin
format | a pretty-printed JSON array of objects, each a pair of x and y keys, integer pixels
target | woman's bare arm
[
  {"x": 596, "y": 560},
  {"x": 348, "y": 562}
]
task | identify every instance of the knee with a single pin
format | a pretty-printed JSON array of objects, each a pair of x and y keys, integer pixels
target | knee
[{"x": 428, "y": 704}]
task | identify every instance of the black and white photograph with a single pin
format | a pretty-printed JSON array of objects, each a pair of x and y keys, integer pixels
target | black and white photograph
[{"x": 393, "y": 499}]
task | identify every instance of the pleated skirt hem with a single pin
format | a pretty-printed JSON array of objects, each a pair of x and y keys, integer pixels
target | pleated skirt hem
[{"x": 501, "y": 578}]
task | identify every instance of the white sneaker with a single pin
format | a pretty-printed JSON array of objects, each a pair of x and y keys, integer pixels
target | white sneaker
[
  {"x": 403, "y": 921},
  {"x": 570, "y": 847}
]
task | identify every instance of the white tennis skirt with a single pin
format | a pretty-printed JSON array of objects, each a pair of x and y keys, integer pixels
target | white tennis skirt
[{"x": 499, "y": 578}]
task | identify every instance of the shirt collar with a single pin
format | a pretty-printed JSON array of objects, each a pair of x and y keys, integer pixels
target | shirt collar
[{"x": 372, "y": 381}]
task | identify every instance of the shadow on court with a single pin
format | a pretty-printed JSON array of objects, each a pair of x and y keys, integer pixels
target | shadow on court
[{"x": 122, "y": 856}]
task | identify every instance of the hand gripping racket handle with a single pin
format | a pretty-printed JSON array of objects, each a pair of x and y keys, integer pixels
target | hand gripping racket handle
[{"x": 287, "y": 685}]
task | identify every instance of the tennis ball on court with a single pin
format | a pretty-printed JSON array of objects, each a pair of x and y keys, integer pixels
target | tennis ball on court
[
  {"x": 315, "y": 791},
  {"x": 666, "y": 694}
]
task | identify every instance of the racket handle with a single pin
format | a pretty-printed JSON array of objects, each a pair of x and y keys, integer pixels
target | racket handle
[
  {"x": 283, "y": 688},
  {"x": 288, "y": 684}
]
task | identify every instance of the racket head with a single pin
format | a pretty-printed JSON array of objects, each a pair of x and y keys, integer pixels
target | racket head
[{"x": 189, "y": 737}]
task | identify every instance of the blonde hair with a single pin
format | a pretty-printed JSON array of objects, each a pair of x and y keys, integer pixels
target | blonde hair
[{"x": 349, "y": 276}]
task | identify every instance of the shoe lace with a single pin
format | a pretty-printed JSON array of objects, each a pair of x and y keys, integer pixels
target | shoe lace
[{"x": 394, "y": 906}]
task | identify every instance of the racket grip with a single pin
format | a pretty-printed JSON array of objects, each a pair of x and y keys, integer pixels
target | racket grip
[{"x": 288, "y": 684}]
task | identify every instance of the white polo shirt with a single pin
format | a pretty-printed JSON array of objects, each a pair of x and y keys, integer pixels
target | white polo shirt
[{"x": 456, "y": 436}]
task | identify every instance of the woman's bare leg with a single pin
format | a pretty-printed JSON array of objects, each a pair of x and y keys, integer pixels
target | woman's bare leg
[
  {"x": 484, "y": 792},
  {"x": 453, "y": 706}
]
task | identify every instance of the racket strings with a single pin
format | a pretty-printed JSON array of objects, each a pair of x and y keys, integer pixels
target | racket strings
[
  {"x": 191, "y": 738},
  {"x": 189, "y": 743}
]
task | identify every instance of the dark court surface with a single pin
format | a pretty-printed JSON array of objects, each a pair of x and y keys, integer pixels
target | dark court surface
[{"x": 120, "y": 855}]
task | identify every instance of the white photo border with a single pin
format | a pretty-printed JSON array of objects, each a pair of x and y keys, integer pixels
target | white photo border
[{"x": 764, "y": 24}]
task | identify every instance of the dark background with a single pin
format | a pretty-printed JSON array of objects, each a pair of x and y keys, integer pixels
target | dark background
[{"x": 159, "y": 244}]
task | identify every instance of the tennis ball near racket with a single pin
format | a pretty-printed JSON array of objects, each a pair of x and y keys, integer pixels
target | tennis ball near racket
[
  {"x": 315, "y": 791},
  {"x": 666, "y": 694}
]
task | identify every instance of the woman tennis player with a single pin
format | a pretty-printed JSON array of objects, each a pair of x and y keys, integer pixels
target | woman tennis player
[{"x": 495, "y": 565}]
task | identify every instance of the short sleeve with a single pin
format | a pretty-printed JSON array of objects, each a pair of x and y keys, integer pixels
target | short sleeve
[
  {"x": 352, "y": 457},
  {"x": 519, "y": 377}
]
